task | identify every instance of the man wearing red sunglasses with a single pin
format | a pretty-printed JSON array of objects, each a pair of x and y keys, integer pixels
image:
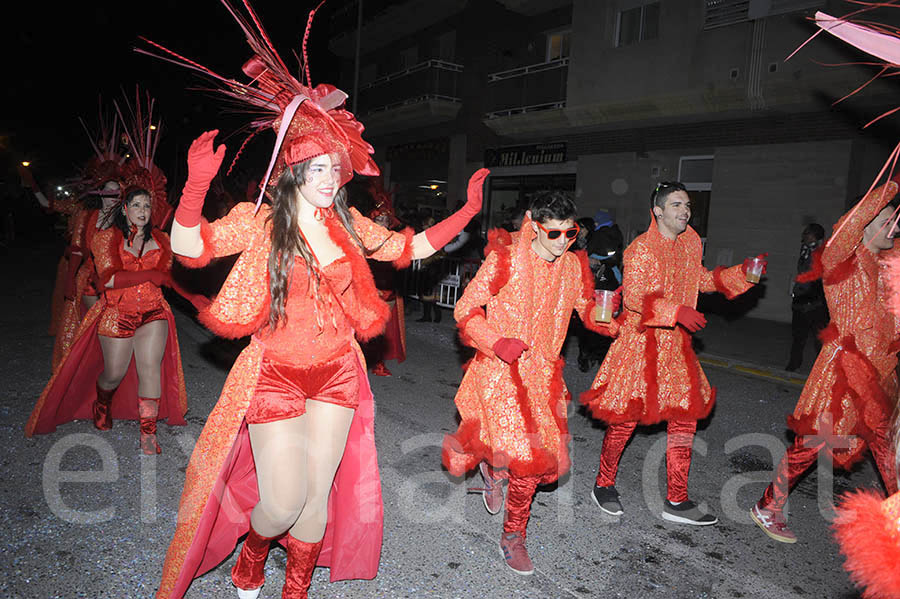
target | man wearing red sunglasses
[
  {"x": 651, "y": 373},
  {"x": 512, "y": 399}
]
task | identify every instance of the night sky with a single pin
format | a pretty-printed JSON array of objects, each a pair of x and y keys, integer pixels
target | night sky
[{"x": 60, "y": 57}]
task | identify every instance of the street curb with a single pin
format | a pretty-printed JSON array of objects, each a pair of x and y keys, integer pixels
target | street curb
[{"x": 750, "y": 369}]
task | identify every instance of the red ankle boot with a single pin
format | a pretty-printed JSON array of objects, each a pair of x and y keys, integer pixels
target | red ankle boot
[
  {"x": 301, "y": 562},
  {"x": 148, "y": 410},
  {"x": 102, "y": 408},
  {"x": 248, "y": 573}
]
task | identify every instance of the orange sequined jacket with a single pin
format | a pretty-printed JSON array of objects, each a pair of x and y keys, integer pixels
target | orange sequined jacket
[
  {"x": 852, "y": 387},
  {"x": 651, "y": 372},
  {"x": 514, "y": 415},
  {"x": 242, "y": 305}
]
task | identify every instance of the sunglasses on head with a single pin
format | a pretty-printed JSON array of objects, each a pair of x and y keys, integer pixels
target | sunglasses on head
[{"x": 570, "y": 233}]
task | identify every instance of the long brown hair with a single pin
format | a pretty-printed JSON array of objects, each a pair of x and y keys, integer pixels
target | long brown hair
[{"x": 287, "y": 242}]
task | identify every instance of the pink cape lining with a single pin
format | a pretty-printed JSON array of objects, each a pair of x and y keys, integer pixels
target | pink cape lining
[
  {"x": 353, "y": 535},
  {"x": 73, "y": 388}
]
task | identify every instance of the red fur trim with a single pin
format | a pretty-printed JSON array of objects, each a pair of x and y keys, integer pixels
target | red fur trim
[
  {"x": 363, "y": 286},
  {"x": 587, "y": 277},
  {"x": 816, "y": 269},
  {"x": 461, "y": 325},
  {"x": 829, "y": 334},
  {"x": 648, "y": 312},
  {"x": 206, "y": 234},
  {"x": 870, "y": 542},
  {"x": 405, "y": 258},
  {"x": 651, "y": 369},
  {"x": 499, "y": 240},
  {"x": 840, "y": 272},
  {"x": 719, "y": 282},
  {"x": 231, "y": 330}
]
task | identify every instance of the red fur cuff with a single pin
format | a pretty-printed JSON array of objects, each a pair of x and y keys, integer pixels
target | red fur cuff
[
  {"x": 406, "y": 256},
  {"x": 206, "y": 234}
]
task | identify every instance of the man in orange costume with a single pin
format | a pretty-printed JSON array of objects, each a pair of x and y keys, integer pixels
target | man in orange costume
[
  {"x": 851, "y": 392},
  {"x": 651, "y": 373},
  {"x": 512, "y": 399}
]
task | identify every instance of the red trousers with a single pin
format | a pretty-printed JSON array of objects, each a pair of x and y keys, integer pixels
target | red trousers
[
  {"x": 519, "y": 494},
  {"x": 679, "y": 442},
  {"x": 800, "y": 456}
]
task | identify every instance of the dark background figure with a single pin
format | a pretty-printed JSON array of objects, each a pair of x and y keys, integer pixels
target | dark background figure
[
  {"x": 602, "y": 239},
  {"x": 809, "y": 313}
]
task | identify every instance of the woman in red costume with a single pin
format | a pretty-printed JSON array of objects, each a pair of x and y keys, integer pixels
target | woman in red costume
[
  {"x": 97, "y": 377},
  {"x": 288, "y": 451}
]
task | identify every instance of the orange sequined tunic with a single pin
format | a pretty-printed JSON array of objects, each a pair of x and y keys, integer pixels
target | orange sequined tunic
[
  {"x": 651, "y": 372},
  {"x": 514, "y": 415},
  {"x": 852, "y": 387},
  {"x": 242, "y": 308}
]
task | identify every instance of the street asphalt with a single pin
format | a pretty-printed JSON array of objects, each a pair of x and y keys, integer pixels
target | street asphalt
[{"x": 84, "y": 514}]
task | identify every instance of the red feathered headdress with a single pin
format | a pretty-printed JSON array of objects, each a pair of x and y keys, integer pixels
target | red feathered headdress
[
  {"x": 383, "y": 201},
  {"x": 310, "y": 121},
  {"x": 142, "y": 134},
  {"x": 106, "y": 163}
]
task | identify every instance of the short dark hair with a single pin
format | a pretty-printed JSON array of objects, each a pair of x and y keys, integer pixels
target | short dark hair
[
  {"x": 552, "y": 205},
  {"x": 816, "y": 230},
  {"x": 662, "y": 191}
]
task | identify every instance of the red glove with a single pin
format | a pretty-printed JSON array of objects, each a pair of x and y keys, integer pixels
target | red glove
[
  {"x": 74, "y": 264},
  {"x": 130, "y": 278},
  {"x": 617, "y": 300},
  {"x": 443, "y": 232},
  {"x": 509, "y": 349},
  {"x": 746, "y": 265},
  {"x": 690, "y": 319},
  {"x": 203, "y": 164},
  {"x": 200, "y": 302}
]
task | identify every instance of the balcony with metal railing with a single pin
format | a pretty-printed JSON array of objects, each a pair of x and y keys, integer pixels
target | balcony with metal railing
[
  {"x": 423, "y": 94},
  {"x": 526, "y": 96}
]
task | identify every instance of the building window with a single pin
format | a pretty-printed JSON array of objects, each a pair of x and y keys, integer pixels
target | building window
[
  {"x": 696, "y": 172},
  {"x": 558, "y": 45},
  {"x": 638, "y": 24}
]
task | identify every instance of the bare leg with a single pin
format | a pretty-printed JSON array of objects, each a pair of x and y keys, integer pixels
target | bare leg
[
  {"x": 89, "y": 300},
  {"x": 149, "y": 346},
  {"x": 116, "y": 357}
]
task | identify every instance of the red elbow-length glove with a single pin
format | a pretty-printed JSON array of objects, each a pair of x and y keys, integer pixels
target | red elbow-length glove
[
  {"x": 690, "y": 319},
  {"x": 203, "y": 164},
  {"x": 443, "y": 232}
]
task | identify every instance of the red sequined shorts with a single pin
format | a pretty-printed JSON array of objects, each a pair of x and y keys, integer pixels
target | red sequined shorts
[
  {"x": 282, "y": 389},
  {"x": 121, "y": 323}
]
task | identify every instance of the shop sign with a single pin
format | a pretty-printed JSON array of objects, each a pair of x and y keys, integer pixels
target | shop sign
[{"x": 529, "y": 155}]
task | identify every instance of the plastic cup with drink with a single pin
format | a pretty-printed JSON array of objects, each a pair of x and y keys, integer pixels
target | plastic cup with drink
[
  {"x": 755, "y": 269},
  {"x": 603, "y": 311}
]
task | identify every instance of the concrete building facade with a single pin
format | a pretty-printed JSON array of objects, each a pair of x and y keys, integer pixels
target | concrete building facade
[{"x": 608, "y": 97}]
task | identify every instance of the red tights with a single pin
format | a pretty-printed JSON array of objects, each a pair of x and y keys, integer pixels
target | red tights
[{"x": 679, "y": 442}]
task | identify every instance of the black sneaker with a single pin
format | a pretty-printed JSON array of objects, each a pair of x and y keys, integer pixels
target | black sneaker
[
  {"x": 687, "y": 512},
  {"x": 607, "y": 499}
]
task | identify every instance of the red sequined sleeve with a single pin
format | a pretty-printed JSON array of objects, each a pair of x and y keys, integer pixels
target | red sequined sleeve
[
  {"x": 642, "y": 284},
  {"x": 730, "y": 282},
  {"x": 65, "y": 205},
  {"x": 104, "y": 248},
  {"x": 385, "y": 245},
  {"x": 228, "y": 235},
  {"x": 849, "y": 230},
  {"x": 469, "y": 313},
  {"x": 585, "y": 303}
]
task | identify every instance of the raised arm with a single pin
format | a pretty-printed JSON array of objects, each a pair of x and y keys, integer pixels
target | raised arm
[
  {"x": 203, "y": 164},
  {"x": 427, "y": 242},
  {"x": 848, "y": 231}
]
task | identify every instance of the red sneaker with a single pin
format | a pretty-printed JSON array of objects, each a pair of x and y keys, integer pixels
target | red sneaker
[
  {"x": 512, "y": 547},
  {"x": 380, "y": 370},
  {"x": 773, "y": 524}
]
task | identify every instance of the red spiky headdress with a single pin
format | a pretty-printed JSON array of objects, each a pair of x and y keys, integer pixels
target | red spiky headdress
[
  {"x": 310, "y": 121},
  {"x": 106, "y": 163},
  {"x": 142, "y": 134},
  {"x": 383, "y": 201}
]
